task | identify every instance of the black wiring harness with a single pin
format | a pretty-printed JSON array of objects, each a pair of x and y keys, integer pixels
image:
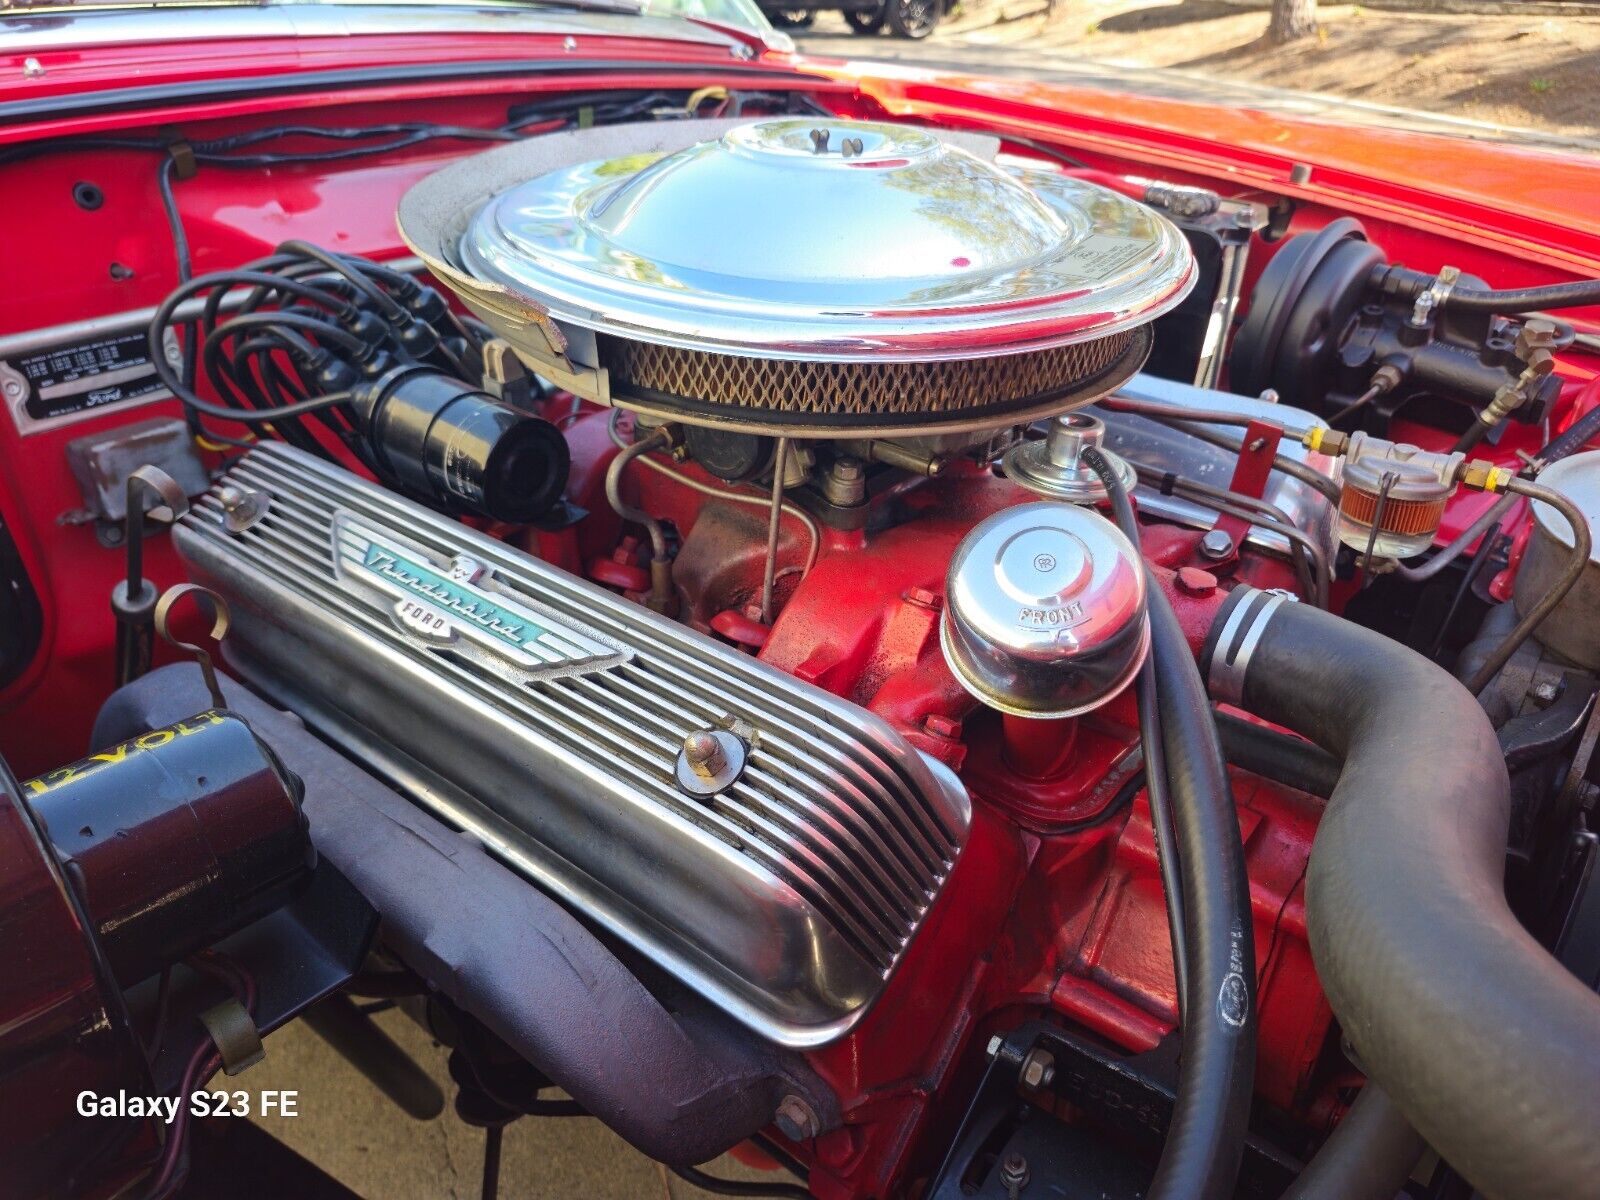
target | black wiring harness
[
  {"x": 331, "y": 351},
  {"x": 311, "y": 327}
]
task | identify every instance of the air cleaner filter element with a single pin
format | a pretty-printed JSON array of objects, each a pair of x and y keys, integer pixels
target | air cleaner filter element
[{"x": 801, "y": 276}]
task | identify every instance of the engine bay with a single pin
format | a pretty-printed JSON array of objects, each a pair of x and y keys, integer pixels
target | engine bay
[{"x": 954, "y": 667}]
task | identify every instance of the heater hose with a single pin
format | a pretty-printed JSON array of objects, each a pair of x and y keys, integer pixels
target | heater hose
[{"x": 1216, "y": 1075}]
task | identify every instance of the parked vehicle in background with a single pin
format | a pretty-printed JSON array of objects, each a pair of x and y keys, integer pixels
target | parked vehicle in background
[{"x": 905, "y": 18}]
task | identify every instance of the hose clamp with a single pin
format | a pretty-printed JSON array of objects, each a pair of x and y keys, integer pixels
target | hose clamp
[
  {"x": 1434, "y": 296},
  {"x": 1236, "y": 644}
]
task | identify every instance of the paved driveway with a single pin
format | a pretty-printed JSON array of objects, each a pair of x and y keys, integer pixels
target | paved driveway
[{"x": 350, "y": 1130}]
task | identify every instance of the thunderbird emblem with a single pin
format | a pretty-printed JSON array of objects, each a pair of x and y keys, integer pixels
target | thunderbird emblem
[{"x": 459, "y": 605}]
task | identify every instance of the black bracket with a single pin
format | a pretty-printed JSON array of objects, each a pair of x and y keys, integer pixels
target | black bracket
[{"x": 1126, "y": 1103}]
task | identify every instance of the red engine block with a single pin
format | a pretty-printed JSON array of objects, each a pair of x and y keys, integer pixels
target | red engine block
[{"x": 1046, "y": 913}]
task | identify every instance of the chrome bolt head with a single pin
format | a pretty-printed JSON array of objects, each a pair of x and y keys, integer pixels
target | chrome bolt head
[
  {"x": 710, "y": 761},
  {"x": 703, "y": 753},
  {"x": 242, "y": 507},
  {"x": 1216, "y": 545}
]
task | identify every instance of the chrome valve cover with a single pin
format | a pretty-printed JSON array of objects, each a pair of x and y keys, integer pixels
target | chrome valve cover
[{"x": 550, "y": 719}]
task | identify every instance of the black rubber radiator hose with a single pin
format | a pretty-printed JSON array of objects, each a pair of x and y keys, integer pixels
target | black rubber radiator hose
[
  {"x": 1369, "y": 1155},
  {"x": 1486, "y": 1043}
]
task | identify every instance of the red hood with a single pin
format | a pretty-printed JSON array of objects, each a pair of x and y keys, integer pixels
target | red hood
[{"x": 1536, "y": 204}]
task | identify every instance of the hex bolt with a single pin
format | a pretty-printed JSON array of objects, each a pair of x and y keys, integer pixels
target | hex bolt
[
  {"x": 1038, "y": 1070},
  {"x": 710, "y": 761},
  {"x": 1217, "y": 544},
  {"x": 1537, "y": 334},
  {"x": 796, "y": 1119},
  {"x": 1013, "y": 1174},
  {"x": 1546, "y": 691},
  {"x": 845, "y": 485}
]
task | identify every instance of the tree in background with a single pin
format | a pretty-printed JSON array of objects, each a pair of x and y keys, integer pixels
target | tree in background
[{"x": 1292, "y": 20}]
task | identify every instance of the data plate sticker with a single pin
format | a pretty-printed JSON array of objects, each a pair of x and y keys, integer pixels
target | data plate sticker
[{"x": 73, "y": 382}]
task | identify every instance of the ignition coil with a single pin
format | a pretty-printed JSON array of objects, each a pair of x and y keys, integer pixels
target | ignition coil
[{"x": 460, "y": 448}]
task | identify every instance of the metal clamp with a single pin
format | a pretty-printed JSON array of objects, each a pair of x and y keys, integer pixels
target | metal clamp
[
  {"x": 1236, "y": 644},
  {"x": 221, "y": 619},
  {"x": 1435, "y": 296},
  {"x": 235, "y": 1036}
]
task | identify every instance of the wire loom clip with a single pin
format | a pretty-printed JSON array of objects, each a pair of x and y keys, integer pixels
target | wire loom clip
[
  {"x": 235, "y": 1035},
  {"x": 184, "y": 163}
]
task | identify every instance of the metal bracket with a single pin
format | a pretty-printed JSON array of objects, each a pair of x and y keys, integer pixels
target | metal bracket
[
  {"x": 1011, "y": 1117},
  {"x": 1252, "y": 472},
  {"x": 221, "y": 619},
  {"x": 591, "y": 383},
  {"x": 504, "y": 375}
]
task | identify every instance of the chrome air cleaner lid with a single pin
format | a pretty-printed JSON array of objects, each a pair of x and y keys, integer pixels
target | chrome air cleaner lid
[
  {"x": 814, "y": 277},
  {"x": 829, "y": 240}
]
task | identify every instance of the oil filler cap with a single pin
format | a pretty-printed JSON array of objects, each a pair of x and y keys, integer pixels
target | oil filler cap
[{"x": 1045, "y": 611}]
